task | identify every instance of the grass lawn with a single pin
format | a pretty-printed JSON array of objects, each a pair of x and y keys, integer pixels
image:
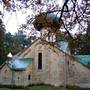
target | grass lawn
[
  {"x": 9, "y": 89},
  {"x": 45, "y": 87},
  {"x": 37, "y": 87},
  {"x": 4, "y": 89},
  {"x": 41, "y": 87}
]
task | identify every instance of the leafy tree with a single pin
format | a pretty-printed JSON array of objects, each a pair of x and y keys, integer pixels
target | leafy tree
[
  {"x": 73, "y": 13},
  {"x": 8, "y": 43},
  {"x": 2, "y": 37},
  {"x": 16, "y": 42},
  {"x": 42, "y": 21},
  {"x": 48, "y": 21}
]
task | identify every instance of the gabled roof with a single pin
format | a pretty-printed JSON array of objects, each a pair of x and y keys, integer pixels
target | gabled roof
[
  {"x": 18, "y": 64},
  {"x": 2, "y": 64},
  {"x": 28, "y": 46},
  {"x": 83, "y": 59},
  {"x": 62, "y": 48}
]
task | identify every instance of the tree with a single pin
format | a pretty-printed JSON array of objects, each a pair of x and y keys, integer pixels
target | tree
[
  {"x": 17, "y": 42},
  {"x": 2, "y": 38},
  {"x": 73, "y": 13},
  {"x": 50, "y": 22}
]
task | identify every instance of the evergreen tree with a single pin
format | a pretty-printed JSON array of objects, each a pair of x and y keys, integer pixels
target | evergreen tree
[{"x": 2, "y": 38}]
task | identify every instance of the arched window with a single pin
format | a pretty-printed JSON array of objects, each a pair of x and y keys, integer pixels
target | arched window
[
  {"x": 39, "y": 60},
  {"x": 29, "y": 77}
]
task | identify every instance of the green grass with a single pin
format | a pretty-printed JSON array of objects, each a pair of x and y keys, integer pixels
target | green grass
[
  {"x": 36, "y": 87},
  {"x": 46, "y": 87},
  {"x": 4, "y": 89},
  {"x": 41, "y": 87},
  {"x": 9, "y": 89}
]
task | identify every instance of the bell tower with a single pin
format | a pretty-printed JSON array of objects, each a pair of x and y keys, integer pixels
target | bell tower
[{"x": 47, "y": 35}]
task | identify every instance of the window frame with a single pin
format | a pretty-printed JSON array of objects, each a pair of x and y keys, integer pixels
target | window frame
[{"x": 40, "y": 61}]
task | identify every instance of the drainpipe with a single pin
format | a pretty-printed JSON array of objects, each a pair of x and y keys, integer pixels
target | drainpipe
[
  {"x": 65, "y": 71},
  {"x": 12, "y": 82}
]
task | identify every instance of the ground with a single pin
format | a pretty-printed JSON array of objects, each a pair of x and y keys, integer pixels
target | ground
[
  {"x": 9, "y": 89},
  {"x": 45, "y": 87}
]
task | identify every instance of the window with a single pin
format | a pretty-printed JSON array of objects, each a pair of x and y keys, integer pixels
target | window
[
  {"x": 18, "y": 78},
  {"x": 39, "y": 60},
  {"x": 29, "y": 77},
  {"x": 68, "y": 62}
]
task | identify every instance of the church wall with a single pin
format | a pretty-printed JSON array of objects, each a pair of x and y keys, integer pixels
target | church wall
[
  {"x": 53, "y": 70},
  {"x": 77, "y": 74},
  {"x": 16, "y": 78},
  {"x": 5, "y": 75},
  {"x": 30, "y": 52},
  {"x": 81, "y": 74},
  {"x": 22, "y": 77},
  {"x": 40, "y": 74},
  {"x": 52, "y": 62},
  {"x": 57, "y": 68}
]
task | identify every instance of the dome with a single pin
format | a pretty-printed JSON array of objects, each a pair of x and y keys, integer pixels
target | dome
[{"x": 52, "y": 16}]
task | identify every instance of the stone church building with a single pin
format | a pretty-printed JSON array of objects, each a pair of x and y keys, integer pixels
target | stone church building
[{"x": 45, "y": 63}]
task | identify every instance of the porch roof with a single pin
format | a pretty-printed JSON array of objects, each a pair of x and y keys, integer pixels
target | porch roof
[
  {"x": 20, "y": 64},
  {"x": 83, "y": 59}
]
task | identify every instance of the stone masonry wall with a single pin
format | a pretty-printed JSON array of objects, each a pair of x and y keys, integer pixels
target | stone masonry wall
[
  {"x": 56, "y": 66},
  {"x": 17, "y": 78},
  {"x": 77, "y": 74}
]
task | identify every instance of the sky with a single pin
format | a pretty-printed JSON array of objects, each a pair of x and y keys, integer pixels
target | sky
[{"x": 12, "y": 20}]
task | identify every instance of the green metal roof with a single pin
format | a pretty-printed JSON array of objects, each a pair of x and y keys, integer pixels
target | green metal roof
[
  {"x": 83, "y": 59},
  {"x": 20, "y": 64}
]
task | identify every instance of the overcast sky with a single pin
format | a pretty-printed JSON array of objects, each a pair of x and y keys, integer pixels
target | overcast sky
[{"x": 13, "y": 19}]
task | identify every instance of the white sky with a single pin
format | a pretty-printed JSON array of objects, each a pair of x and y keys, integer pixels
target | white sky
[{"x": 13, "y": 20}]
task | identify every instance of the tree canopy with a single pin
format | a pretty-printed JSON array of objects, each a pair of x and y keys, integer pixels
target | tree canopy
[
  {"x": 2, "y": 38},
  {"x": 75, "y": 15},
  {"x": 46, "y": 20}
]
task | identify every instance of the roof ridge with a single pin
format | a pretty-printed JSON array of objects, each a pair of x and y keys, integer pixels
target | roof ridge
[
  {"x": 27, "y": 47},
  {"x": 50, "y": 43},
  {"x": 2, "y": 64}
]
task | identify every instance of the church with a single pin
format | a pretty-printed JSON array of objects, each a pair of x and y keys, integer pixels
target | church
[{"x": 45, "y": 63}]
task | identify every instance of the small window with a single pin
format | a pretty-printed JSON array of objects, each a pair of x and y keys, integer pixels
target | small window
[
  {"x": 18, "y": 78},
  {"x": 39, "y": 60},
  {"x": 29, "y": 77},
  {"x": 68, "y": 62}
]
